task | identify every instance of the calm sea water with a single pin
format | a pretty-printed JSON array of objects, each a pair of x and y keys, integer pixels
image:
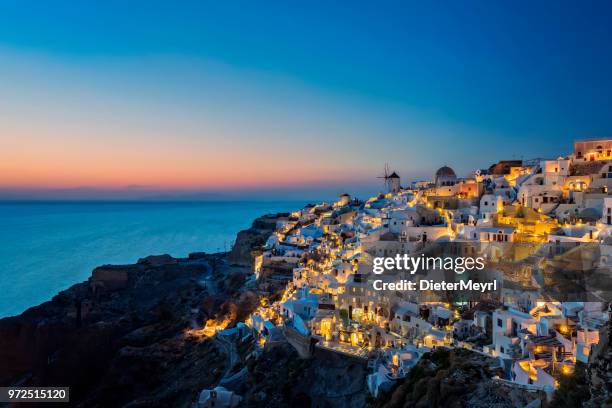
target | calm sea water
[{"x": 47, "y": 247}]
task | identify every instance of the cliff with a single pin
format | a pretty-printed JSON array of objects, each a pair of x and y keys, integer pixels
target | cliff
[
  {"x": 253, "y": 238},
  {"x": 122, "y": 338},
  {"x": 120, "y": 329},
  {"x": 454, "y": 378},
  {"x": 280, "y": 378},
  {"x": 599, "y": 370}
]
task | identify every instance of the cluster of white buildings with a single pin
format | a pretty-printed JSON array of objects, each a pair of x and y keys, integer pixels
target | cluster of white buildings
[{"x": 327, "y": 252}]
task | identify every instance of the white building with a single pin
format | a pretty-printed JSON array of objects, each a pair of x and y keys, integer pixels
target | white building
[
  {"x": 490, "y": 204},
  {"x": 607, "y": 211},
  {"x": 507, "y": 325},
  {"x": 218, "y": 397},
  {"x": 593, "y": 149},
  {"x": 393, "y": 183}
]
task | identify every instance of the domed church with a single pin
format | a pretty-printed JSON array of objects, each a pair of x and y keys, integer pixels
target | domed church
[{"x": 445, "y": 176}]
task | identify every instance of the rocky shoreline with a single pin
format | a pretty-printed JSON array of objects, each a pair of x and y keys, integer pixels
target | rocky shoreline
[{"x": 118, "y": 339}]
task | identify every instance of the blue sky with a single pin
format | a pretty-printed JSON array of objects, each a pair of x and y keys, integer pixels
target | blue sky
[{"x": 256, "y": 97}]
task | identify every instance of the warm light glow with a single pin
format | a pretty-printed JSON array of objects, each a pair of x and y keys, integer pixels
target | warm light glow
[
  {"x": 210, "y": 328},
  {"x": 354, "y": 339},
  {"x": 326, "y": 329}
]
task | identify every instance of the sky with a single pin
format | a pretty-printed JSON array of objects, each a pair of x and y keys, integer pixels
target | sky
[{"x": 280, "y": 99}]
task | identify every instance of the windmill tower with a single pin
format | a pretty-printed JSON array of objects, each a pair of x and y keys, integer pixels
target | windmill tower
[{"x": 391, "y": 180}]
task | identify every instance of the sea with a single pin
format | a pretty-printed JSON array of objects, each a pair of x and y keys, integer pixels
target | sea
[{"x": 46, "y": 247}]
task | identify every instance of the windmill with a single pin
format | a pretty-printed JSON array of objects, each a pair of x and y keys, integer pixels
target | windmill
[
  {"x": 391, "y": 180},
  {"x": 385, "y": 176}
]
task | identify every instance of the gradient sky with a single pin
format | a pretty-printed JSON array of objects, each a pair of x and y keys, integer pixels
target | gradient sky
[{"x": 97, "y": 100}]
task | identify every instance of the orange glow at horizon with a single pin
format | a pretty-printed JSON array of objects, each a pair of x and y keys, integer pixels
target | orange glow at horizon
[
  {"x": 80, "y": 128},
  {"x": 108, "y": 123},
  {"x": 170, "y": 174},
  {"x": 158, "y": 165}
]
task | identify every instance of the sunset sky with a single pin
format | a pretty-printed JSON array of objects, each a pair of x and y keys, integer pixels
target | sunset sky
[{"x": 98, "y": 100}]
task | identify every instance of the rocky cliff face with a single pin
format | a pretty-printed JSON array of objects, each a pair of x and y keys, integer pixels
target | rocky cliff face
[
  {"x": 599, "y": 370},
  {"x": 119, "y": 338},
  {"x": 279, "y": 378},
  {"x": 253, "y": 238},
  {"x": 456, "y": 378},
  {"x": 125, "y": 338}
]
